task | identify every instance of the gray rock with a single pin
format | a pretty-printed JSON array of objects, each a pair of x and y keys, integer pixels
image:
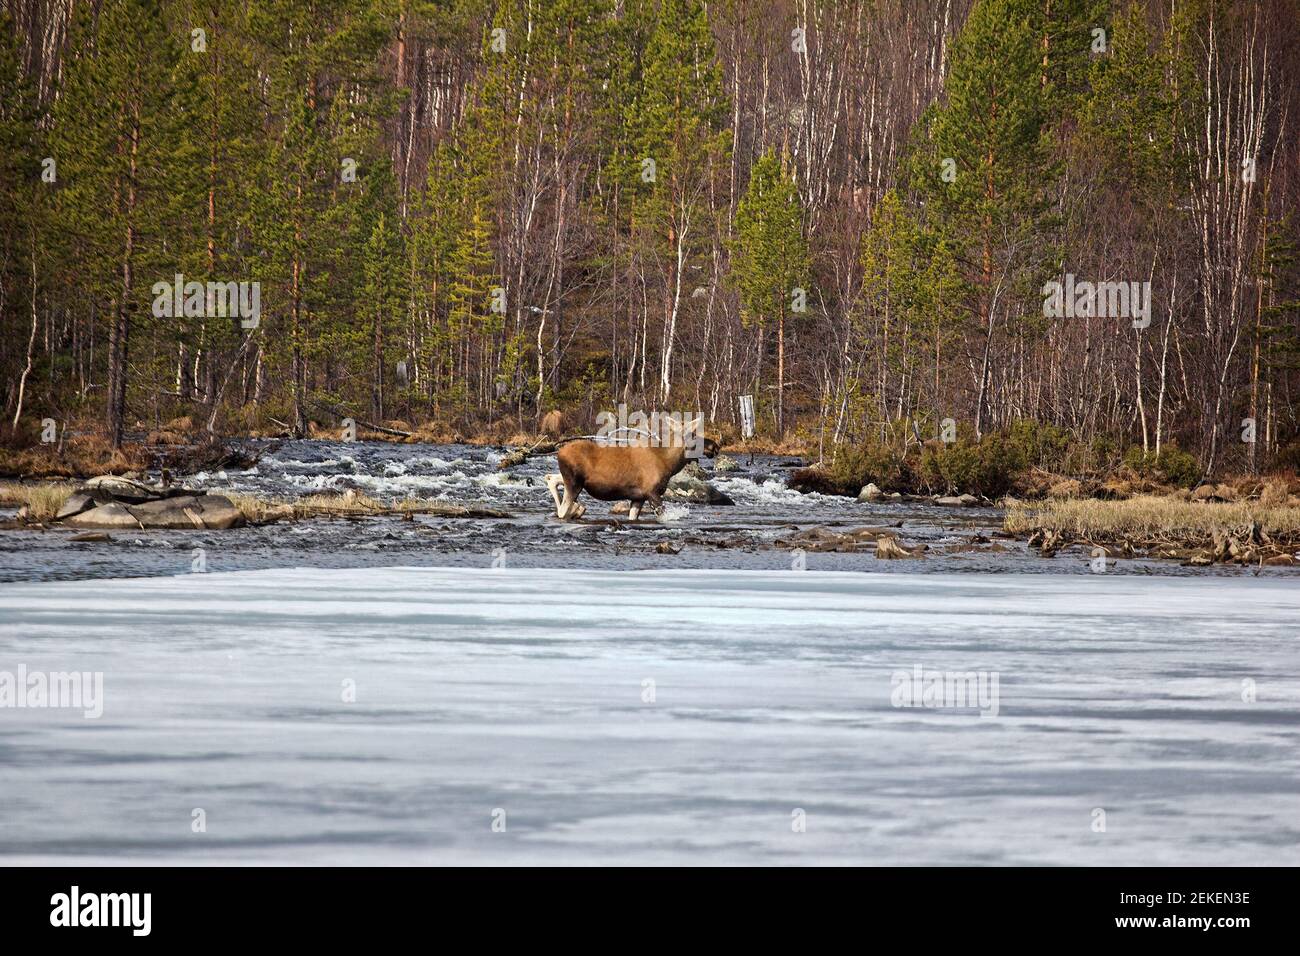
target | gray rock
[
  {"x": 968, "y": 501},
  {"x": 870, "y": 492},
  {"x": 725, "y": 464},
  {"x": 950, "y": 501},
  {"x": 202, "y": 511},
  {"x": 185, "y": 512},
  {"x": 77, "y": 502},
  {"x": 695, "y": 491},
  {"x": 112, "y": 488},
  {"x": 111, "y": 515}
]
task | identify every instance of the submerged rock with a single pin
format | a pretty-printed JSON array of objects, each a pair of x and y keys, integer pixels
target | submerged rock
[{"x": 687, "y": 488}]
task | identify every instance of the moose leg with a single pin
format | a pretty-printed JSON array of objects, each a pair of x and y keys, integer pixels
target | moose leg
[
  {"x": 553, "y": 483},
  {"x": 569, "y": 508},
  {"x": 634, "y": 510}
]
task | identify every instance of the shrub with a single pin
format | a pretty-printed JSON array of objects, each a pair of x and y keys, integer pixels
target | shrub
[
  {"x": 857, "y": 465},
  {"x": 990, "y": 467},
  {"x": 1172, "y": 465}
]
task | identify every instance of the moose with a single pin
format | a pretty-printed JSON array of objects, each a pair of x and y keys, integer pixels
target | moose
[{"x": 636, "y": 473}]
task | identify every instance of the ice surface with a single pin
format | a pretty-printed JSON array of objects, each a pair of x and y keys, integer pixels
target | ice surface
[{"x": 524, "y": 691}]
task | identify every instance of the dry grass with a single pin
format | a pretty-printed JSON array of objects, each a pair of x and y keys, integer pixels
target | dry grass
[
  {"x": 42, "y": 499},
  {"x": 82, "y": 456},
  {"x": 1147, "y": 517}
]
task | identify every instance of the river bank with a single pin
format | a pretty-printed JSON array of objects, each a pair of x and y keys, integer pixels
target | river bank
[{"x": 368, "y": 504}]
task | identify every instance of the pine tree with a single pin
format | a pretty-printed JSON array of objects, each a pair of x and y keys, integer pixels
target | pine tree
[
  {"x": 984, "y": 171},
  {"x": 117, "y": 133}
]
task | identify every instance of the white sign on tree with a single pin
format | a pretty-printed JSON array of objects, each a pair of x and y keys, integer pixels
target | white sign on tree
[{"x": 747, "y": 415}]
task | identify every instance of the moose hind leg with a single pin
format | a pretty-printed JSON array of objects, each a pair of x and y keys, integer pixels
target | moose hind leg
[
  {"x": 553, "y": 483},
  {"x": 569, "y": 508}
]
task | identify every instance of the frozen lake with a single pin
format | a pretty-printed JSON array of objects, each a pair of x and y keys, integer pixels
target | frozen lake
[{"x": 663, "y": 716}]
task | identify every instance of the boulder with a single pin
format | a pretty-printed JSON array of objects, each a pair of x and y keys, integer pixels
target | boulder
[
  {"x": 725, "y": 464},
  {"x": 197, "y": 511},
  {"x": 188, "y": 512},
  {"x": 968, "y": 501},
  {"x": 111, "y": 515},
  {"x": 952, "y": 501},
  {"x": 695, "y": 491},
  {"x": 870, "y": 492},
  {"x": 105, "y": 488},
  {"x": 77, "y": 502}
]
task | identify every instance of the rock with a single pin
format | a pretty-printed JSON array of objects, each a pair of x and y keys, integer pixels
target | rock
[
  {"x": 1203, "y": 493},
  {"x": 77, "y": 502},
  {"x": 968, "y": 501},
  {"x": 950, "y": 501},
  {"x": 23, "y": 513},
  {"x": 1279, "y": 560},
  {"x": 110, "y": 515},
  {"x": 667, "y": 547},
  {"x": 92, "y": 536},
  {"x": 620, "y": 507},
  {"x": 870, "y": 492},
  {"x": 695, "y": 491},
  {"x": 105, "y": 488},
  {"x": 725, "y": 464},
  {"x": 694, "y": 469},
  {"x": 188, "y": 512}
]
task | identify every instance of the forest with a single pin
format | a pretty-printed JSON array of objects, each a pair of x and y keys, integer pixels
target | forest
[{"x": 884, "y": 220}]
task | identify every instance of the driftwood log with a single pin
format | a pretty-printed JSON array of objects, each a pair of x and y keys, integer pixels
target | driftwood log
[{"x": 340, "y": 413}]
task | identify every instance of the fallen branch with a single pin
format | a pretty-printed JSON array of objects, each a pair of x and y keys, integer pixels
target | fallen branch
[{"x": 335, "y": 410}]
